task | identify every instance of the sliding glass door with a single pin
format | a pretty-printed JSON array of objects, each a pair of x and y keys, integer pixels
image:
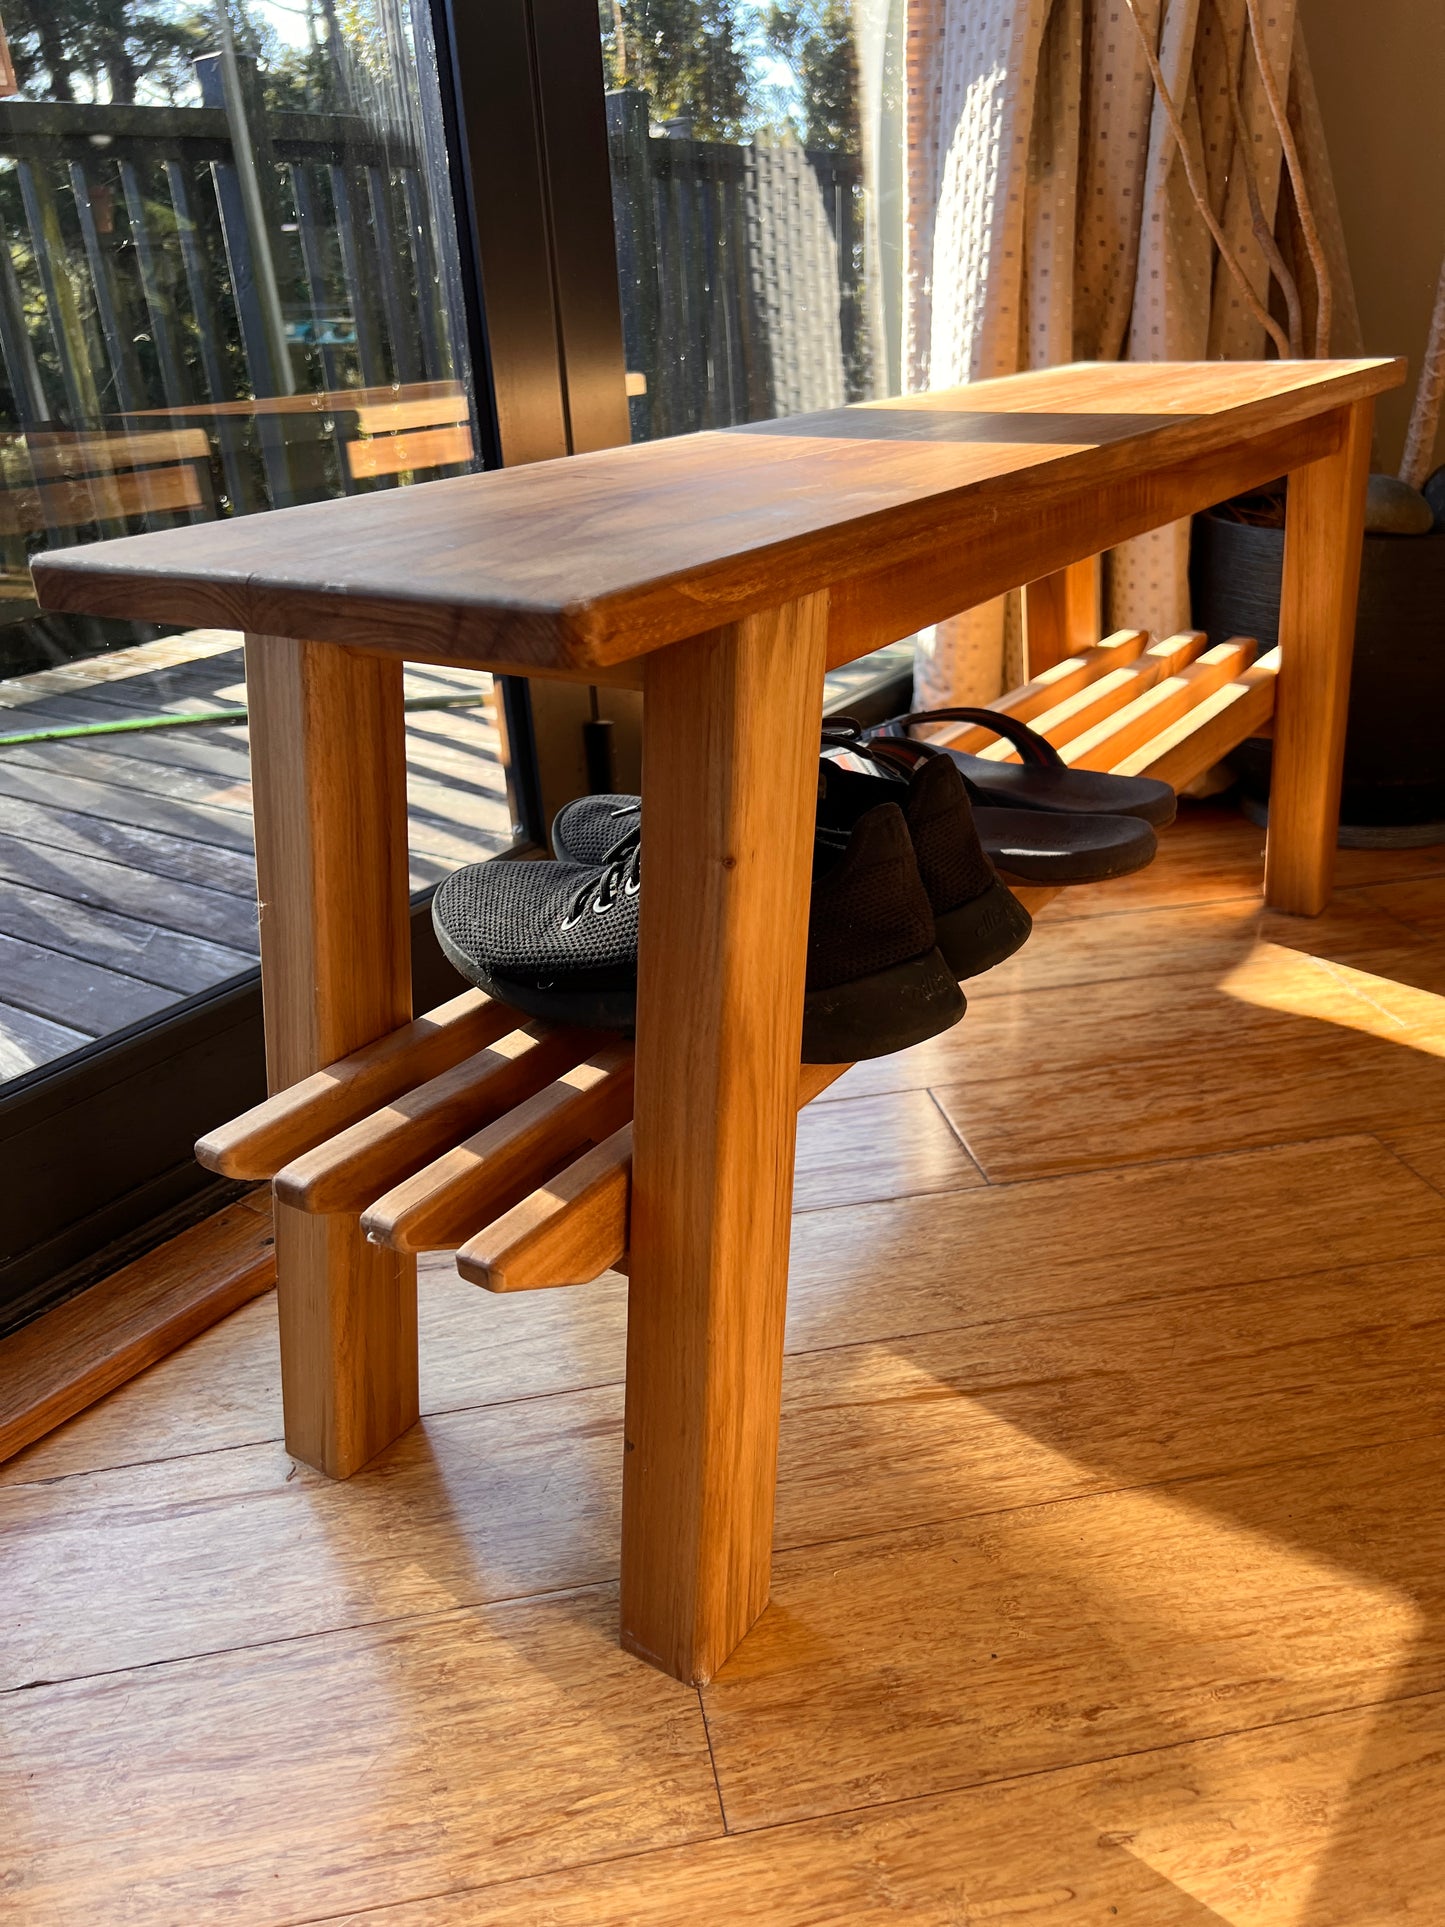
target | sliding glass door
[
  {"x": 259, "y": 252},
  {"x": 230, "y": 281}
]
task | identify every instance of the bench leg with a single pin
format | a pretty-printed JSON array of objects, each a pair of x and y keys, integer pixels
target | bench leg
[
  {"x": 1323, "y": 533},
  {"x": 1062, "y": 615},
  {"x": 730, "y": 748},
  {"x": 328, "y": 773}
]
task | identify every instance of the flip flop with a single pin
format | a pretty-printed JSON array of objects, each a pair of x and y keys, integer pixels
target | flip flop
[
  {"x": 1039, "y": 846},
  {"x": 1045, "y": 846},
  {"x": 1043, "y": 780}
]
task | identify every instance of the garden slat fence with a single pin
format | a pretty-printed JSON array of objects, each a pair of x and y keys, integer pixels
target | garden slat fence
[
  {"x": 136, "y": 293},
  {"x": 742, "y": 276}
]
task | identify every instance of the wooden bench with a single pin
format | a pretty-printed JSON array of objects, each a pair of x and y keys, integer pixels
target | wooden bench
[{"x": 722, "y": 574}]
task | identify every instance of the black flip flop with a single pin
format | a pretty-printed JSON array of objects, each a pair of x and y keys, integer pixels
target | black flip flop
[
  {"x": 1045, "y": 846},
  {"x": 1043, "y": 780},
  {"x": 1025, "y": 845}
]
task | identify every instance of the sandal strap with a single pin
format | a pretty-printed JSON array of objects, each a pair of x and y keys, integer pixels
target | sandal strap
[
  {"x": 895, "y": 755},
  {"x": 1033, "y": 748}
]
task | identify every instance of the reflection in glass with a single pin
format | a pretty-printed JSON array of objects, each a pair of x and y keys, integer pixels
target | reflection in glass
[
  {"x": 227, "y": 284},
  {"x": 755, "y": 198},
  {"x": 223, "y": 231}
]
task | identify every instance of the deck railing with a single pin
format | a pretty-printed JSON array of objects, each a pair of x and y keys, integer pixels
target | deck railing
[
  {"x": 131, "y": 282},
  {"x": 222, "y": 308},
  {"x": 742, "y": 271}
]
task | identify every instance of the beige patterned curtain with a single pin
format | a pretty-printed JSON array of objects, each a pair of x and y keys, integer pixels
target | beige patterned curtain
[{"x": 1049, "y": 219}]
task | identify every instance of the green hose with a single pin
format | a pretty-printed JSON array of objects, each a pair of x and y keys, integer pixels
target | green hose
[{"x": 200, "y": 719}]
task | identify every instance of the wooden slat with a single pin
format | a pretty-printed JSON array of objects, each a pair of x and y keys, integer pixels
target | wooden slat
[
  {"x": 922, "y": 504},
  {"x": 441, "y": 1205},
  {"x": 575, "y": 1227},
  {"x": 425, "y": 411},
  {"x": 1109, "y": 693},
  {"x": 348, "y": 1171},
  {"x": 1117, "y": 736},
  {"x": 1220, "y": 723},
  {"x": 1042, "y": 692},
  {"x": 57, "y": 457},
  {"x": 71, "y": 504},
  {"x": 74, "y": 1355},
  {"x": 567, "y": 1233},
  {"x": 421, "y": 448},
  {"x": 259, "y": 1142}
]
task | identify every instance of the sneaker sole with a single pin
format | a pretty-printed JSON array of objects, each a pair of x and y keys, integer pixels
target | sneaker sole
[
  {"x": 983, "y": 932},
  {"x": 869, "y": 1017},
  {"x": 878, "y": 1014}
]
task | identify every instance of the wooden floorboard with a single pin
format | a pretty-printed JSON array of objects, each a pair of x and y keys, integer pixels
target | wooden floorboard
[
  {"x": 355, "y": 1779},
  {"x": 160, "y": 853},
  {"x": 164, "y": 1560},
  {"x": 1422, "y": 1148},
  {"x": 65, "y": 1361},
  {"x": 153, "y": 829},
  {"x": 948, "y": 1262},
  {"x": 1328, "y": 1822},
  {"x": 1084, "y": 1630},
  {"x": 27, "y": 1039},
  {"x": 1109, "y": 1583},
  {"x": 85, "y": 996},
  {"x": 109, "y": 802},
  {"x": 131, "y": 945}
]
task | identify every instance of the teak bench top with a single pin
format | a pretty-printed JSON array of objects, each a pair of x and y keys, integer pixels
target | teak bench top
[{"x": 569, "y": 567}]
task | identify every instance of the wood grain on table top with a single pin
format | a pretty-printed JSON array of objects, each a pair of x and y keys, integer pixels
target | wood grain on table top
[{"x": 579, "y": 564}]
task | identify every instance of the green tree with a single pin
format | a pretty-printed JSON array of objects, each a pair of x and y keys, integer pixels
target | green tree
[
  {"x": 129, "y": 50},
  {"x": 112, "y": 47},
  {"x": 694, "y": 59},
  {"x": 815, "y": 37}
]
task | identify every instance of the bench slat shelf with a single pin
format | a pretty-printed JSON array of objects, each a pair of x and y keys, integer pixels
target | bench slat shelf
[{"x": 511, "y": 1144}]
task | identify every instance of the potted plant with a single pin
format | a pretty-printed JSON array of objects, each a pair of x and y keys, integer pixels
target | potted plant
[
  {"x": 1394, "y": 784},
  {"x": 1394, "y": 779}
]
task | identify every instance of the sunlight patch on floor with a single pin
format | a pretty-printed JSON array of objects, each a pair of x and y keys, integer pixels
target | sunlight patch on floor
[{"x": 1298, "y": 985}]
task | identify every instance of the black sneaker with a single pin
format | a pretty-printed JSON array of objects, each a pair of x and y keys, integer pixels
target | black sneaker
[
  {"x": 559, "y": 940},
  {"x": 584, "y": 831},
  {"x": 978, "y": 919}
]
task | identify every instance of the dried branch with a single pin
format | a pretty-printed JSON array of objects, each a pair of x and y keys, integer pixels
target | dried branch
[
  {"x": 1263, "y": 233},
  {"x": 1429, "y": 394},
  {"x": 1198, "y": 190},
  {"x": 1324, "y": 289}
]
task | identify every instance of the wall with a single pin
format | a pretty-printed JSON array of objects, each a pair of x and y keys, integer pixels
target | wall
[{"x": 1379, "y": 69}]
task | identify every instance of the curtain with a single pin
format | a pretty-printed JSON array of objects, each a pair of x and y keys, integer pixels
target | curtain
[{"x": 1049, "y": 218}]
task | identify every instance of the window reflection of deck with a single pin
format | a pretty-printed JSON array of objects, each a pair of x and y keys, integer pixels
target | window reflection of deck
[{"x": 126, "y": 873}]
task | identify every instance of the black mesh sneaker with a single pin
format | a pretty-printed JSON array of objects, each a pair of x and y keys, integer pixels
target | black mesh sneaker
[
  {"x": 978, "y": 919},
  {"x": 559, "y": 940}
]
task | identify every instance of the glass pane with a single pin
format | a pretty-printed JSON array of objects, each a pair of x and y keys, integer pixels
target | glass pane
[
  {"x": 757, "y": 198},
  {"x": 226, "y": 286}
]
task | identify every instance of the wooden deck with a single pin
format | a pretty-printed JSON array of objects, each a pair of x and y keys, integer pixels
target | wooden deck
[
  {"x": 1108, "y": 1587},
  {"x": 127, "y": 873}
]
